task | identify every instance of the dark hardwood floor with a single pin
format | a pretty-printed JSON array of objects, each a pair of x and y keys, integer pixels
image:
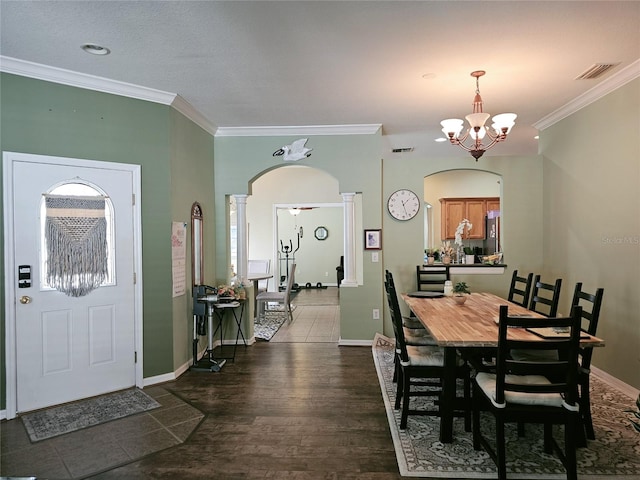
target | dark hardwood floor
[
  {"x": 283, "y": 411},
  {"x": 297, "y": 411}
]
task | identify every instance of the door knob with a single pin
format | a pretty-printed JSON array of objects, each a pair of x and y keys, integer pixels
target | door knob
[{"x": 25, "y": 299}]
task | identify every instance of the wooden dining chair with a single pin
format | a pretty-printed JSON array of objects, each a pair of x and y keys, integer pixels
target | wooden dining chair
[
  {"x": 427, "y": 280},
  {"x": 590, "y": 304},
  {"x": 520, "y": 289},
  {"x": 282, "y": 298},
  {"x": 414, "y": 331},
  {"x": 412, "y": 324},
  {"x": 545, "y": 297},
  {"x": 520, "y": 391},
  {"x": 413, "y": 335},
  {"x": 422, "y": 366},
  {"x": 431, "y": 279},
  {"x": 260, "y": 266}
]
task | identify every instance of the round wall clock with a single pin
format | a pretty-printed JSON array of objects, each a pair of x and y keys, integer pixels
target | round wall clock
[
  {"x": 403, "y": 204},
  {"x": 321, "y": 233}
]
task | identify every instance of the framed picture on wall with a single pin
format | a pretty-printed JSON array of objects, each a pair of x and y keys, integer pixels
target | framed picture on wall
[{"x": 373, "y": 239}]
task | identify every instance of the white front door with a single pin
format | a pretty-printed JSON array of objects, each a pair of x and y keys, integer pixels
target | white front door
[{"x": 67, "y": 347}]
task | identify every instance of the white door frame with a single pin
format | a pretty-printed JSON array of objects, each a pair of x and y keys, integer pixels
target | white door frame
[{"x": 10, "y": 280}]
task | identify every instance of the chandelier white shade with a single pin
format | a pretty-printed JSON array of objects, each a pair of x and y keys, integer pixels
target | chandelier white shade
[{"x": 500, "y": 128}]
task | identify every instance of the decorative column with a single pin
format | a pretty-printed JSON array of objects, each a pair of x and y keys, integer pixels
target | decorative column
[
  {"x": 349, "y": 240},
  {"x": 242, "y": 239}
]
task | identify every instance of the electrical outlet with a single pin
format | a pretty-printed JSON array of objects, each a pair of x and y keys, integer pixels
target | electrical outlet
[{"x": 376, "y": 314}]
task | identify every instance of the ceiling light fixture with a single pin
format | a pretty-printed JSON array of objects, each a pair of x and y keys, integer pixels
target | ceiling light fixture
[
  {"x": 501, "y": 126},
  {"x": 94, "y": 49}
]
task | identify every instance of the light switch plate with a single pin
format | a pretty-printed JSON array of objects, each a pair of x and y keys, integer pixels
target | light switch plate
[{"x": 374, "y": 257}]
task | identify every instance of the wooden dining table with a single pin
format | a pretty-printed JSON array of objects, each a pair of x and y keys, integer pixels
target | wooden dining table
[{"x": 472, "y": 324}]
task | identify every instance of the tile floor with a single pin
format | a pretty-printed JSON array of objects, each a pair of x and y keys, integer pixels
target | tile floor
[
  {"x": 311, "y": 324},
  {"x": 316, "y": 318},
  {"x": 99, "y": 448}
]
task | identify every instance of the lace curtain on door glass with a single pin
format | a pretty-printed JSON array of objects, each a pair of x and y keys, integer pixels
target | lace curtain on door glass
[{"x": 76, "y": 239}]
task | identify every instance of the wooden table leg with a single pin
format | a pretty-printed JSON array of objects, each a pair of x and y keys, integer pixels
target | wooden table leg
[
  {"x": 255, "y": 298},
  {"x": 448, "y": 395}
]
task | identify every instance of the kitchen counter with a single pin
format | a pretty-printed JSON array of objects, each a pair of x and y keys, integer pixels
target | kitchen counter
[{"x": 469, "y": 268}]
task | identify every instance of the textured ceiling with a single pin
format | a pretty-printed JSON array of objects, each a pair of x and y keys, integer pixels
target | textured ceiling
[{"x": 300, "y": 63}]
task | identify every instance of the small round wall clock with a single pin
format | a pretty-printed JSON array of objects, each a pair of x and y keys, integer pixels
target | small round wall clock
[{"x": 403, "y": 204}]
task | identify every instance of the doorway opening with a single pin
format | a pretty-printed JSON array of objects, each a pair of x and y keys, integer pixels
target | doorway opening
[{"x": 295, "y": 215}]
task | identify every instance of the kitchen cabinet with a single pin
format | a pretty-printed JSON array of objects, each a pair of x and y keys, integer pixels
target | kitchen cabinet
[
  {"x": 474, "y": 209},
  {"x": 493, "y": 204}
]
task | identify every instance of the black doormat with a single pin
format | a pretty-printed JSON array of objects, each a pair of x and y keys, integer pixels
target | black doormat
[{"x": 67, "y": 418}]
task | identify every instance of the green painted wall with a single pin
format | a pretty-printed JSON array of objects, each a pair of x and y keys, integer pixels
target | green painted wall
[
  {"x": 191, "y": 181},
  {"x": 50, "y": 119},
  {"x": 354, "y": 160},
  {"x": 592, "y": 218}
]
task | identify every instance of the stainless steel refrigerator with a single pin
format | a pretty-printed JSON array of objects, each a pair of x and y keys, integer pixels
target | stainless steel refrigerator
[{"x": 492, "y": 241}]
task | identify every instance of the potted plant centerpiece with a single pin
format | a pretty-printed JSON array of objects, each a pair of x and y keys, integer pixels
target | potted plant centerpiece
[{"x": 460, "y": 292}]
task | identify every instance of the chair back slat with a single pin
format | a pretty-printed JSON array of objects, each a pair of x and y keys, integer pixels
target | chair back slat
[
  {"x": 545, "y": 297},
  {"x": 431, "y": 279},
  {"x": 260, "y": 266},
  {"x": 290, "y": 282},
  {"x": 520, "y": 289},
  {"x": 590, "y": 304},
  {"x": 563, "y": 371},
  {"x": 396, "y": 316}
]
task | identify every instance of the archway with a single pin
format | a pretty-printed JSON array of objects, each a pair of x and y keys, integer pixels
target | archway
[
  {"x": 461, "y": 184},
  {"x": 286, "y": 207}
]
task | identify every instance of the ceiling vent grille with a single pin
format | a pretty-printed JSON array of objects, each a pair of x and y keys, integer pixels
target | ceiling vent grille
[
  {"x": 402, "y": 150},
  {"x": 596, "y": 70}
]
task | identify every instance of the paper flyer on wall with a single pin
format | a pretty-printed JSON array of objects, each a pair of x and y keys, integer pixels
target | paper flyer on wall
[{"x": 178, "y": 257}]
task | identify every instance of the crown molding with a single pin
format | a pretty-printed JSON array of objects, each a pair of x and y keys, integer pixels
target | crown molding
[
  {"x": 100, "y": 84},
  {"x": 185, "y": 108},
  {"x": 365, "y": 129},
  {"x": 615, "y": 81},
  {"x": 83, "y": 80}
]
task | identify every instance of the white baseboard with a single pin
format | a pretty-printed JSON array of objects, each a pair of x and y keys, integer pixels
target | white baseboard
[
  {"x": 3, "y": 414},
  {"x": 167, "y": 377},
  {"x": 616, "y": 383},
  {"x": 354, "y": 343}
]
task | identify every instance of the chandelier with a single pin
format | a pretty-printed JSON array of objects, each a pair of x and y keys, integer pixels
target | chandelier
[{"x": 498, "y": 132}]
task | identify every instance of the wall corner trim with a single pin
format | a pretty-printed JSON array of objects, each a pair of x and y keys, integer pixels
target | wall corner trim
[{"x": 185, "y": 108}]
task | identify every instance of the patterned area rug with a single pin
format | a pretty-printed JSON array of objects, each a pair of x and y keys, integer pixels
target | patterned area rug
[
  {"x": 614, "y": 454},
  {"x": 67, "y": 418},
  {"x": 266, "y": 327}
]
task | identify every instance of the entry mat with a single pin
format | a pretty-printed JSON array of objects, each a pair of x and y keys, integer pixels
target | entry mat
[
  {"x": 51, "y": 422},
  {"x": 614, "y": 454}
]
